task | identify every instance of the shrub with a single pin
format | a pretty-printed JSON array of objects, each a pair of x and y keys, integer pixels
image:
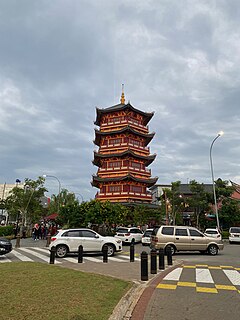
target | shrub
[
  {"x": 6, "y": 230},
  {"x": 225, "y": 234}
]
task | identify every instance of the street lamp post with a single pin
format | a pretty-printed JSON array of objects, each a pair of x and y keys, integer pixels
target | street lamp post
[
  {"x": 59, "y": 187},
  {"x": 79, "y": 195},
  {"x": 213, "y": 183}
]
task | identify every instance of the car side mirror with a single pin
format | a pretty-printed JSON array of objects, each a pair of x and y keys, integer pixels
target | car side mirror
[{"x": 96, "y": 236}]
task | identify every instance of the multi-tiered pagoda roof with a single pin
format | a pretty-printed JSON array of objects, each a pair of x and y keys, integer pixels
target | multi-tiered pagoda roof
[{"x": 123, "y": 156}]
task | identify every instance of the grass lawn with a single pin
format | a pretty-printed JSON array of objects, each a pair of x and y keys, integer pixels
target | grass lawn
[{"x": 39, "y": 291}]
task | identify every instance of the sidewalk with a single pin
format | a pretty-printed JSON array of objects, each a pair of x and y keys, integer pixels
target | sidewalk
[{"x": 30, "y": 242}]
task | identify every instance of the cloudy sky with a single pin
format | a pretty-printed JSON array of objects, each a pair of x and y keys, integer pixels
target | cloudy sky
[{"x": 61, "y": 59}]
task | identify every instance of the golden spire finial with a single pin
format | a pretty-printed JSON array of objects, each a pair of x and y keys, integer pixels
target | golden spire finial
[{"x": 122, "y": 96}]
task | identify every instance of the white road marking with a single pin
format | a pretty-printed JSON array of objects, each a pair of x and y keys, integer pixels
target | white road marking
[
  {"x": 73, "y": 260},
  {"x": 38, "y": 255},
  {"x": 233, "y": 276},
  {"x": 128, "y": 258},
  {"x": 203, "y": 275},
  {"x": 21, "y": 256},
  {"x": 4, "y": 259},
  {"x": 174, "y": 275}
]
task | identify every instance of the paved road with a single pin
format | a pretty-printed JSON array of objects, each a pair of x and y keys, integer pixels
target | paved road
[{"x": 202, "y": 287}]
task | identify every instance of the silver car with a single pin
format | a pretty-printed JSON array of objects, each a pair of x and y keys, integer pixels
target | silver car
[{"x": 184, "y": 238}]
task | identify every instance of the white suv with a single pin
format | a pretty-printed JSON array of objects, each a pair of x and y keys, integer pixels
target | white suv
[
  {"x": 128, "y": 234},
  {"x": 234, "y": 234},
  {"x": 68, "y": 241}
]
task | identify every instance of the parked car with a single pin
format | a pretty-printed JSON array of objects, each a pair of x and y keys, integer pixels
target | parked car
[
  {"x": 234, "y": 234},
  {"x": 128, "y": 234},
  {"x": 212, "y": 233},
  {"x": 184, "y": 238},
  {"x": 69, "y": 240},
  {"x": 146, "y": 238},
  {"x": 5, "y": 246}
]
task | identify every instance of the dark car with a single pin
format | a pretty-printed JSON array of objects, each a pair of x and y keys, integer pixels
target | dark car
[{"x": 5, "y": 246}]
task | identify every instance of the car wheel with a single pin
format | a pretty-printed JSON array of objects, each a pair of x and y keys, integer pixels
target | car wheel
[
  {"x": 173, "y": 249},
  {"x": 111, "y": 250},
  {"x": 61, "y": 251},
  {"x": 213, "y": 250}
]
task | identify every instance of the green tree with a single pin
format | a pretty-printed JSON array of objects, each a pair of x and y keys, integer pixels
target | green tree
[
  {"x": 198, "y": 200},
  {"x": 24, "y": 204}
]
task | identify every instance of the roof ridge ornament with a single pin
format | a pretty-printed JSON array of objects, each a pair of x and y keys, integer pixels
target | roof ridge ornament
[{"x": 122, "y": 100}]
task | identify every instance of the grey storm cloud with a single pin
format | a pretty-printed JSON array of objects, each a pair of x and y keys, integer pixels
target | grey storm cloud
[{"x": 60, "y": 59}]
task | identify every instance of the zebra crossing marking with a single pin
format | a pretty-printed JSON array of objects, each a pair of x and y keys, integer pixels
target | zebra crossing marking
[
  {"x": 36, "y": 254},
  {"x": 21, "y": 256},
  {"x": 233, "y": 276},
  {"x": 202, "y": 275},
  {"x": 5, "y": 259}
]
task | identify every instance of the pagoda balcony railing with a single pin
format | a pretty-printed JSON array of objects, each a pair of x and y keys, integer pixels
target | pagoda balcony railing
[
  {"x": 125, "y": 144},
  {"x": 127, "y": 168},
  {"x": 124, "y": 122},
  {"x": 123, "y": 194}
]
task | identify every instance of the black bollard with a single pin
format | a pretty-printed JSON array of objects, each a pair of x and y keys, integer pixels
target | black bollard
[
  {"x": 169, "y": 255},
  {"x": 161, "y": 259},
  {"x": 48, "y": 240},
  {"x": 144, "y": 266},
  {"x": 105, "y": 253},
  {"x": 153, "y": 261},
  {"x": 132, "y": 249},
  {"x": 17, "y": 245},
  {"x": 80, "y": 254},
  {"x": 52, "y": 255}
]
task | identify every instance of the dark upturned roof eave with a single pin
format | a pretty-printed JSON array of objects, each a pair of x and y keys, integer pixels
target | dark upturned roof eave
[
  {"x": 117, "y": 107},
  {"x": 149, "y": 159},
  {"x": 148, "y": 136},
  {"x": 149, "y": 182}
]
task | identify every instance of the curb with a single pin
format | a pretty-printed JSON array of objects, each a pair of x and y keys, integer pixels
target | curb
[{"x": 125, "y": 307}]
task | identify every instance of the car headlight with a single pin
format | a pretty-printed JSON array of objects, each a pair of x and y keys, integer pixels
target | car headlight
[{"x": 3, "y": 242}]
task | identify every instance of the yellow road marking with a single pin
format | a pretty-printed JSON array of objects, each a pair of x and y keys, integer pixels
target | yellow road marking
[
  {"x": 215, "y": 268},
  {"x": 190, "y": 267},
  {"x": 237, "y": 268},
  {"x": 167, "y": 286},
  {"x": 202, "y": 265},
  {"x": 206, "y": 290},
  {"x": 223, "y": 287},
  {"x": 186, "y": 284},
  {"x": 227, "y": 267}
]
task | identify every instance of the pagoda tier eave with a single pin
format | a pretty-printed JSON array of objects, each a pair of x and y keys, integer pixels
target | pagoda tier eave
[
  {"x": 147, "y": 115},
  {"x": 98, "y": 134},
  {"x": 97, "y": 180},
  {"x": 148, "y": 159}
]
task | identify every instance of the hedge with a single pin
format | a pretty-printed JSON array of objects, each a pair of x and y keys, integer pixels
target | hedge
[{"x": 6, "y": 230}]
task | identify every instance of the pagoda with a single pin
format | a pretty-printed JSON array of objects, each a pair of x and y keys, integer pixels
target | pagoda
[{"x": 123, "y": 155}]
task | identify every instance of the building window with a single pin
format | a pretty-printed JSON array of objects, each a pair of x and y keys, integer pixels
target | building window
[
  {"x": 136, "y": 189},
  {"x": 136, "y": 165},
  {"x": 115, "y": 141},
  {"x": 115, "y": 164},
  {"x": 114, "y": 188},
  {"x": 135, "y": 142}
]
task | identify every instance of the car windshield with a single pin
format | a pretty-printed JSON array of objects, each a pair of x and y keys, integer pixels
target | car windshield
[
  {"x": 122, "y": 230},
  {"x": 212, "y": 231},
  {"x": 234, "y": 230},
  {"x": 148, "y": 233}
]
